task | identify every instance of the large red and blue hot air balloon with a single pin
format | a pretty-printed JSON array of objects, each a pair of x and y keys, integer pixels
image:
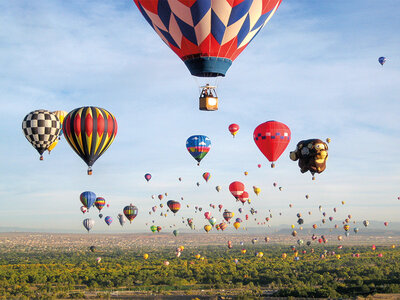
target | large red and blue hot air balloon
[
  {"x": 272, "y": 138},
  {"x": 207, "y": 34}
]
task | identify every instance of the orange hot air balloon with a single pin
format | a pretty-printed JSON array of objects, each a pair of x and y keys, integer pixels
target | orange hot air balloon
[
  {"x": 284, "y": 255},
  {"x": 243, "y": 251},
  {"x": 272, "y": 138},
  {"x": 233, "y": 129}
]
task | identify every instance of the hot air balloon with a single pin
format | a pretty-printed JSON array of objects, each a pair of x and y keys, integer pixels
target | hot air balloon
[
  {"x": 386, "y": 223},
  {"x": 88, "y": 199},
  {"x": 90, "y": 131},
  {"x": 98, "y": 260},
  {"x": 175, "y": 232},
  {"x": 100, "y": 216},
  {"x": 206, "y": 176},
  {"x": 159, "y": 228},
  {"x": 218, "y": 188},
  {"x": 207, "y": 35},
  {"x": 207, "y": 228},
  {"x": 174, "y": 206},
  {"x": 228, "y": 215},
  {"x": 88, "y": 224},
  {"x": 108, "y": 220},
  {"x": 41, "y": 128},
  {"x": 243, "y": 251},
  {"x": 130, "y": 212},
  {"x": 382, "y": 60},
  {"x": 153, "y": 228},
  {"x": 233, "y": 129},
  {"x": 147, "y": 176},
  {"x": 212, "y": 221},
  {"x": 312, "y": 155},
  {"x": 236, "y": 188},
  {"x": 100, "y": 203},
  {"x": 145, "y": 256},
  {"x": 236, "y": 225},
  {"x": 198, "y": 146},
  {"x": 220, "y": 207},
  {"x": 272, "y": 138},
  {"x": 53, "y": 145},
  {"x": 365, "y": 223},
  {"x": 223, "y": 226},
  {"x": 243, "y": 197},
  {"x": 83, "y": 209},
  {"x": 256, "y": 190},
  {"x": 121, "y": 219},
  {"x": 346, "y": 227}
]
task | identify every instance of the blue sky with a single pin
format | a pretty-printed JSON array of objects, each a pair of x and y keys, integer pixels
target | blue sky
[{"x": 313, "y": 67}]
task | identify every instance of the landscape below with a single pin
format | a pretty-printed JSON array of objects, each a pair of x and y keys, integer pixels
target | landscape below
[{"x": 40, "y": 265}]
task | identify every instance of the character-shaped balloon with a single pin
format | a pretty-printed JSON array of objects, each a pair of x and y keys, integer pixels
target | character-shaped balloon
[{"x": 312, "y": 155}]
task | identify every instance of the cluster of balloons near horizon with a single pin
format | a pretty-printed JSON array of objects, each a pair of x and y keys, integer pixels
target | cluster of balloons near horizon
[{"x": 88, "y": 130}]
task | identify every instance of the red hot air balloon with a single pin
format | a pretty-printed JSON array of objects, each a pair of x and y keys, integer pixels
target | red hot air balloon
[
  {"x": 220, "y": 207},
  {"x": 207, "y": 215},
  {"x": 233, "y": 129},
  {"x": 236, "y": 188},
  {"x": 160, "y": 197},
  {"x": 243, "y": 197},
  {"x": 272, "y": 138}
]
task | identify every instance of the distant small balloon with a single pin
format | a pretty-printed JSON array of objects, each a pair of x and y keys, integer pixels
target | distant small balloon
[{"x": 147, "y": 176}]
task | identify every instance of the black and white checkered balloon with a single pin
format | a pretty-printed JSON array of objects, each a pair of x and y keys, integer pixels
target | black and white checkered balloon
[{"x": 41, "y": 128}]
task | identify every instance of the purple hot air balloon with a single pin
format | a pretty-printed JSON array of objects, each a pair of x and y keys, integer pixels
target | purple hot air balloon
[{"x": 108, "y": 220}]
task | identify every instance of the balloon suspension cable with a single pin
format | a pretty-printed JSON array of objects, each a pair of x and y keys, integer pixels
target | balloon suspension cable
[{"x": 41, "y": 157}]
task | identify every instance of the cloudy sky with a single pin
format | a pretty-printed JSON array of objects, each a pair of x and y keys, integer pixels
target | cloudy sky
[{"x": 313, "y": 67}]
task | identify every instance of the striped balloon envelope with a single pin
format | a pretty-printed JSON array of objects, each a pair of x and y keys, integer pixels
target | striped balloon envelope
[
  {"x": 100, "y": 203},
  {"x": 130, "y": 212},
  {"x": 90, "y": 131},
  {"x": 174, "y": 206},
  {"x": 207, "y": 34}
]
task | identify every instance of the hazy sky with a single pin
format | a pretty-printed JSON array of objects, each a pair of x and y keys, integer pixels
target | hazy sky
[{"x": 313, "y": 67}]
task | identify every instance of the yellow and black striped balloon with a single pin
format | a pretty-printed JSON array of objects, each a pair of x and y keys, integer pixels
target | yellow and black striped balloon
[{"x": 90, "y": 131}]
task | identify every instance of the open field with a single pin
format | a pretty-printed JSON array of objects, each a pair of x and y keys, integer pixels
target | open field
[{"x": 62, "y": 266}]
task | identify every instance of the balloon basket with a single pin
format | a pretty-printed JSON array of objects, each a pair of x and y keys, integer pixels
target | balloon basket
[
  {"x": 41, "y": 157},
  {"x": 208, "y": 103},
  {"x": 208, "y": 99},
  {"x": 89, "y": 171}
]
